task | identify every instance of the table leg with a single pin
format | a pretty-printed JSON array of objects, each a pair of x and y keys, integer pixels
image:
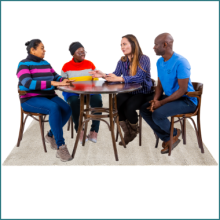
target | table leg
[
  {"x": 112, "y": 126},
  {"x": 86, "y": 124},
  {"x": 80, "y": 123},
  {"x": 117, "y": 123}
]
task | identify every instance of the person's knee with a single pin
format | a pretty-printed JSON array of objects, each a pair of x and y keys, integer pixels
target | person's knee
[
  {"x": 54, "y": 108},
  {"x": 67, "y": 109},
  {"x": 157, "y": 116},
  {"x": 96, "y": 102},
  {"x": 120, "y": 98},
  {"x": 144, "y": 112}
]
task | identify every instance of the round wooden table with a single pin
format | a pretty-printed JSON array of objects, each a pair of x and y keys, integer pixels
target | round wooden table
[{"x": 85, "y": 88}]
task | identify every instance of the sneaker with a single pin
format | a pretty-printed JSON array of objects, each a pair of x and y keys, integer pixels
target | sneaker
[
  {"x": 63, "y": 153},
  {"x": 51, "y": 140},
  {"x": 81, "y": 137},
  {"x": 93, "y": 136}
]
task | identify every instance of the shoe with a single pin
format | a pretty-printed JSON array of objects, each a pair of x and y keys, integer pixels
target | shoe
[
  {"x": 165, "y": 143},
  {"x": 51, "y": 140},
  {"x": 81, "y": 137},
  {"x": 127, "y": 135},
  {"x": 93, "y": 136},
  {"x": 63, "y": 153},
  {"x": 134, "y": 130},
  {"x": 176, "y": 141}
]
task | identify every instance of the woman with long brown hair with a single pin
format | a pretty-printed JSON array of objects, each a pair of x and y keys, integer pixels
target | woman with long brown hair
[{"x": 133, "y": 67}]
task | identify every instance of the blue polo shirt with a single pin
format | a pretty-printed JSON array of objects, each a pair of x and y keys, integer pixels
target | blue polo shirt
[{"x": 177, "y": 67}]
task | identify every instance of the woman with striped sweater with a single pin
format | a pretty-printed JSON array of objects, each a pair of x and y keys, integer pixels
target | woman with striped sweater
[
  {"x": 78, "y": 69},
  {"x": 38, "y": 79}
]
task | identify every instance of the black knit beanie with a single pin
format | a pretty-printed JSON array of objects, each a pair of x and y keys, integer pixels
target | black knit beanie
[{"x": 74, "y": 46}]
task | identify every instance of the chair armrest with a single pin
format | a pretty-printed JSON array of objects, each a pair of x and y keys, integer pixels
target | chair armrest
[
  {"x": 22, "y": 92},
  {"x": 194, "y": 94}
]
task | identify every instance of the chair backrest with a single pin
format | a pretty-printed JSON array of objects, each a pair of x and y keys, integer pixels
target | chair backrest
[
  {"x": 198, "y": 86},
  {"x": 19, "y": 92},
  {"x": 154, "y": 84}
]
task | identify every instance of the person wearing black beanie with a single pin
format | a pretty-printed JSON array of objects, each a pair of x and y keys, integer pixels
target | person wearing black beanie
[{"x": 78, "y": 69}]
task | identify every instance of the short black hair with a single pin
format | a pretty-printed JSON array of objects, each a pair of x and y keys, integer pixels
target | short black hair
[{"x": 34, "y": 42}]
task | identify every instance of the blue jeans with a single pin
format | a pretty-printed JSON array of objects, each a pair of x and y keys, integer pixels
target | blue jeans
[
  {"x": 59, "y": 112},
  {"x": 158, "y": 121}
]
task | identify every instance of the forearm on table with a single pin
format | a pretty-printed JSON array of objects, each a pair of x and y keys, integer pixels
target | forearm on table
[{"x": 176, "y": 95}]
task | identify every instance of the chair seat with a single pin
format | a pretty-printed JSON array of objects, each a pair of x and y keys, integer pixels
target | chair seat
[
  {"x": 186, "y": 115},
  {"x": 32, "y": 113}
]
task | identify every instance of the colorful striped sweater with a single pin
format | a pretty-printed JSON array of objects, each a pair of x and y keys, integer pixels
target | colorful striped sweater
[
  {"x": 78, "y": 71},
  {"x": 35, "y": 76}
]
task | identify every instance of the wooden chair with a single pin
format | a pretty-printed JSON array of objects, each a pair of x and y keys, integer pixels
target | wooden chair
[
  {"x": 140, "y": 118},
  {"x": 33, "y": 115},
  {"x": 198, "y": 87}
]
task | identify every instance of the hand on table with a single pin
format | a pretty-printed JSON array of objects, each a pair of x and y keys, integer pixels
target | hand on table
[
  {"x": 63, "y": 83},
  {"x": 69, "y": 81},
  {"x": 114, "y": 78},
  {"x": 97, "y": 74},
  {"x": 111, "y": 75}
]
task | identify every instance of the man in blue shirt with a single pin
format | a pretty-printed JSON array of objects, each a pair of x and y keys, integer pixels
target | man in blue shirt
[{"x": 174, "y": 80}]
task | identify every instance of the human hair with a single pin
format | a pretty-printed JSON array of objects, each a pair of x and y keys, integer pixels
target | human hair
[
  {"x": 33, "y": 43},
  {"x": 136, "y": 53}
]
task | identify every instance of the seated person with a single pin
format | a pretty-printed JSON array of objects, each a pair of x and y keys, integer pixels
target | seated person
[
  {"x": 38, "y": 79},
  {"x": 78, "y": 69},
  {"x": 133, "y": 67},
  {"x": 174, "y": 79}
]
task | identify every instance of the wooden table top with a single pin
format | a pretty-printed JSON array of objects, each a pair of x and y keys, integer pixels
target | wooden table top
[{"x": 99, "y": 87}]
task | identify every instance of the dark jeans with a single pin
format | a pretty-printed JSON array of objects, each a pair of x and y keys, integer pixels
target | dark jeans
[
  {"x": 128, "y": 103},
  {"x": 58, "y": 110},
  {"x": 158, "y": 119},
  {"x": 74, "y": 102}
]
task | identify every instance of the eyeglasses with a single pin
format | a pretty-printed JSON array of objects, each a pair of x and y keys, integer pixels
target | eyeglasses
[{"x": 81, "y": 53}]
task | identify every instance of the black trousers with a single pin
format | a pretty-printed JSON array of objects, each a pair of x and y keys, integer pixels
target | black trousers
[{"x": 128, "y": 103}]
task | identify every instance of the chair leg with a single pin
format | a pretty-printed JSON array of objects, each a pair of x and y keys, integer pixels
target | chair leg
[
  {"x": 116, "y": 135},
  {"x": 71, "y": 122},
  {"x": 171, "y": 135},
  {"x": 199, "y": 133},
  {"x": 21, "y": 128},
  {"x": 140, "y": 130},
  {"x": 184, "y": 131},
  {"x": 68, "y": 125},
  {"x": 181, "y": 124},
  {"x": 42, "y": 133},
  {"x": 157, "y": 140}
]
